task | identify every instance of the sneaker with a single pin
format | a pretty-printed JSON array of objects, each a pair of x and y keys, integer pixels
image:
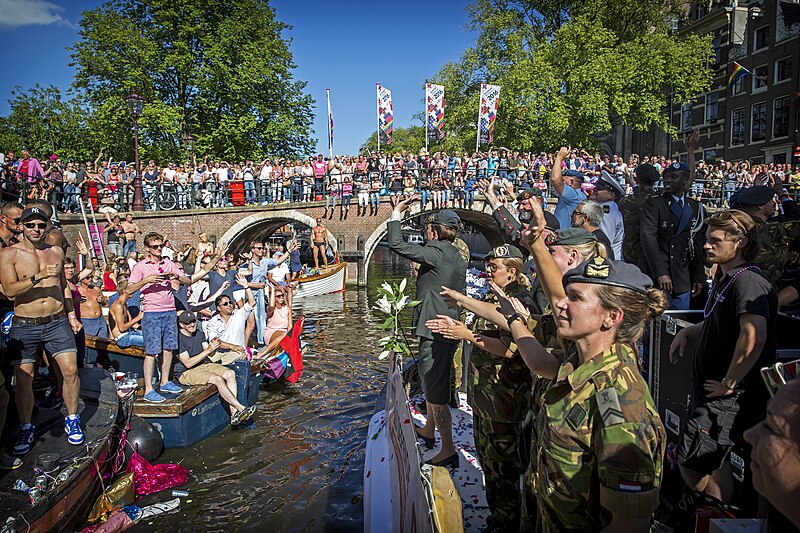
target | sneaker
[
  {"x": 9, "y": 462},
  {"x": 72, "y": 427},
  {"x": 154, "y": 397},
  {"x": 24, "y": 441},
  {"x": 171, "y": 388},
  {"x": 54, "y": 400}
]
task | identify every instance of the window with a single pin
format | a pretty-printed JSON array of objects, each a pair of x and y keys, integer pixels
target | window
[
  {"x": 783, "y": 69},
  {"x": 758, "y": 124},
  {"x": 779, "y": 159},
  {"x": 712, "y": 107},
  {"x": 760, "y": 79},
  {"x": 686, "y": 117},
  {"x": 716, "y": 48},
  {"x": 780, "y": 117},
  {"x": 709, "y": 156},
  {"x": 738, "y": 87},
  {"x": 761, "y": 38},
  {"x": 737, "y": 127},
  {"x": 758, "y": 160}
]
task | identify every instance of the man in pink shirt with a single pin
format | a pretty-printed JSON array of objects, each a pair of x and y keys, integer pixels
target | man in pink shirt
[{"x": 153, "y": 276}]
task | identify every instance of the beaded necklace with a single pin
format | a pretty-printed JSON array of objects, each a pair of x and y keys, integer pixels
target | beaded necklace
[{"x": 718, "y": 296}]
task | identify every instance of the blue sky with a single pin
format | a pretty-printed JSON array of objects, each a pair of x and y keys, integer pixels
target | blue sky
[{"x": 346, "y": 46}]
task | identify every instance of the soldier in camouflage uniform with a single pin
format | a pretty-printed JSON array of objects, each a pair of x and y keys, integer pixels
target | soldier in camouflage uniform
[
  {"x": 600, "y": 440},
  {"x": 631, "y": 207},
  {"x": 498, "y": 391},
  {"x": 774, "y": 234}
]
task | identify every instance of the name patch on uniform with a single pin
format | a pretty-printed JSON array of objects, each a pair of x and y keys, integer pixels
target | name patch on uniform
[
  {"x": 576, "y": 416},
  {"x": 606, "y": 209},
  {"x": 608, "y": 405},
  {"x": 630, "y": 486}
]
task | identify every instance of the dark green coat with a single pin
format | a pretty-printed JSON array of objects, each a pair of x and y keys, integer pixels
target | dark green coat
[{"x": 441, "y": 264}]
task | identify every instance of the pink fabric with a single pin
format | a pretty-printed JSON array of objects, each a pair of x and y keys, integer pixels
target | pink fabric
[
  {"x": 157, "y": 296},
  {"x": 279, "y": 321},
  {"x": 31, "y": 169},
  {"x": 148, "y": 479},
  {"x": 117, "y": 521}
]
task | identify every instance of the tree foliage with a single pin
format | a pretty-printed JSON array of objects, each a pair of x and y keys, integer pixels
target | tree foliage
[
  {"x": 570, "y": 70},
  {"x": 410, "y": 139}
]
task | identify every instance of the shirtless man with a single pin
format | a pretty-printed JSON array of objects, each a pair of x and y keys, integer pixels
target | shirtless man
[
  {"x": 10, "y": 228},
  {"x": 52, "y": 235},
  {"x": 319, "y": 243},
  {"x": 92, "y": 301},
  {"x": 33, "y": 276},
  {"x": 130, "y": 229},
  {"x": 122, "y": 325}
]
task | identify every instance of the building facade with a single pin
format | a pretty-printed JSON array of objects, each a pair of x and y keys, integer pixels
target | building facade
[{"x": 757, "y": 119}]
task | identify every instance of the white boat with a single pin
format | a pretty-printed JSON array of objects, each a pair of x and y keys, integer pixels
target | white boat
[{"x": 327, "y": 281}]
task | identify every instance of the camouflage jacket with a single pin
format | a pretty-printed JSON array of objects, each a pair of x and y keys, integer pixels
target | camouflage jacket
[
  {"x": 774, "y": 252},
  {"x": 499, "y": 387},
  {"x": 631, "y": 208},
  {"x": 601, "y": 444}
]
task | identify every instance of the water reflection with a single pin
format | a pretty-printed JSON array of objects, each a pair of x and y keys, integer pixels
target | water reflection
[{"x": 301, "y": 468}]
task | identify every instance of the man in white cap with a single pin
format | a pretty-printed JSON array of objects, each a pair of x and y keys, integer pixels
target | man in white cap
[{"x": 607, "y": 192}]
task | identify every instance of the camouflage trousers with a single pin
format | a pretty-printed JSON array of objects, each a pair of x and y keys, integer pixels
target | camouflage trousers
[{"x": 497, "y": 445}]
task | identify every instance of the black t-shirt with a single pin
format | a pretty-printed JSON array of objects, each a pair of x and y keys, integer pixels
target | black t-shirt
[
  {"x": 192, "y": 345},
  {"x": 113, "y": 236},
  {"x": 750, "y": 292}
]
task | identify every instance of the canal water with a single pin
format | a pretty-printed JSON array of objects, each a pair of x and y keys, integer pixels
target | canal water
[{"x": 301, "y": 468}]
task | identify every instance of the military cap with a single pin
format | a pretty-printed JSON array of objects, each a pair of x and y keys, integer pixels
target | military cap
[
  {"x": 570, "y": 237},
  {"x": 647, "y": 172},
  {"x": 756, "y": 195},
  {"x": 524, "y": 194},
  {"x": 444, "y": 218},
  {"x": 608, "y": 182},
  {"x": 503, "y": 251},
  {"x": 604, "y": 271},
  {"x": 573, "y": 174},
  {"x": 551, "y": 221},
  {"x": 677, "y": 166},
  {"x": 33, "y": 212},
  {"x": 451, "y": 213}
]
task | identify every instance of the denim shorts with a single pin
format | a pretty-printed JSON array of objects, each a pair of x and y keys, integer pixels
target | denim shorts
[
  {"x": 160, "y": 330},
  {"x": 56, "y": 336}
]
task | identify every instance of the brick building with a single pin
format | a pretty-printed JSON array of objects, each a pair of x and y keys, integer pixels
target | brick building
[{"x": 759, "y": 118}]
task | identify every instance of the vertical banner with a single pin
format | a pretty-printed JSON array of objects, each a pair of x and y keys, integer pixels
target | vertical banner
[
  {"x": 330, "y": 124},
  {"x": 434, "y": 111},
  {"x": 385, "y": 116},
  {"x": 490, "y": 96}
]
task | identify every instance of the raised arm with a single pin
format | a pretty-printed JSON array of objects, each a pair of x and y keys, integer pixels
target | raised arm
[{"x": 556, "y": 178}]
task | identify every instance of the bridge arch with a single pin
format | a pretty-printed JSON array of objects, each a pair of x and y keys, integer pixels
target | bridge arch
[
  {"x": 478, "y": 219},
  {"x": 240, "y": 234}
]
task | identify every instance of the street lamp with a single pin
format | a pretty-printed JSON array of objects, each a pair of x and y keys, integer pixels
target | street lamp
[{"x": 135, "y": 104}]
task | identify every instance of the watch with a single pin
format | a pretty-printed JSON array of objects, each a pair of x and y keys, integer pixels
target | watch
[
  {"x": 34, "y": 281},
  {"x": 513, "y": 318}
]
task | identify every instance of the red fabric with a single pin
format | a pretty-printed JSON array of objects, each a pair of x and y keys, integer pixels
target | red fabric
[
  {"x": 148, "y": 479},
  {"x": 291, "y": 345}
]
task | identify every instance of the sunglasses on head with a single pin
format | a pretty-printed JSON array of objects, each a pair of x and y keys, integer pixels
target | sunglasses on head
[{"x": 34, "y": 225}]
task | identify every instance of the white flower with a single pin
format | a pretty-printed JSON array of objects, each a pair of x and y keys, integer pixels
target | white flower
[
  {"x": 402, "y": 303},
  {"x": 384, "y": 305},
  {"x": 387, "y": 288},
  {"x": 403, "y": 285}
]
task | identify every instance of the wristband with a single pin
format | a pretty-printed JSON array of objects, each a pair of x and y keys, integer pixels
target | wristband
[
  {"x": 513, "y": 318},
  {"x": 72, "y": 315}
]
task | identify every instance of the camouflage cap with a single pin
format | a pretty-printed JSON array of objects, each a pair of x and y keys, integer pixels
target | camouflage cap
[
  {"x": 504, "y": 251},
  {"x": 756, "y": 195},
  {"x": 603, "y": 271},
  {"x": 570, "y": 237}
]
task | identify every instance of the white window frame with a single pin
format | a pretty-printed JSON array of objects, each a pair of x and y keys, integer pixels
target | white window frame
[
  {"x": 752, "y": 122},
  {"x": 706, "y": 119},
  {"x": 775, "y": 80},
  {"x": 744, "y": 123},
  {"x": 755, "y": 41},
  {"x": 687, "y": 108},
  {"x": 753, "y": 88},
  {"x": 788, "y": 112}
]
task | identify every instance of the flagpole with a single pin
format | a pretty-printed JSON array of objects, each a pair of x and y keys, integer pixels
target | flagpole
[
  {"x": 378, "y": 94},
  {"x": 425, "y": 100},
  {"x": 330, "y": 136}
]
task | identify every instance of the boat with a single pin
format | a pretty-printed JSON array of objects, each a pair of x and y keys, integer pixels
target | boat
[
  {"x": 194, "y": 415},
  {"x": 333, "y": 279},
  {"x": 64, "y": 506}
]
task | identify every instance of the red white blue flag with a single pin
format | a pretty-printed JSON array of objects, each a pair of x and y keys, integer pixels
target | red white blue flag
[
  {"x": 385, "y": 114},
  {"x": 487, "y": 114},
  {"x": 434, "y": 111}
]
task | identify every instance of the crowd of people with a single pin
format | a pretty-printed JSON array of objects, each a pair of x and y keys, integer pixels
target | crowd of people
[
  {"x": 560, "y": 405},
  {"x": 441, "y": 179},
  {"x": 196, "y": 309}
]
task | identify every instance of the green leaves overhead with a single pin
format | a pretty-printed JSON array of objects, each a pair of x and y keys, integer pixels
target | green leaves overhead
[{"x": 572, "y": 69}]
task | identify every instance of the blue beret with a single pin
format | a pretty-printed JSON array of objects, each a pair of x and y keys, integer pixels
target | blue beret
[
  {"x": 603, "y": 271},
  {"x": 756, "y": 195},
  {"x": 677, "y": 166},
  {"x": 573, "y": 174}
]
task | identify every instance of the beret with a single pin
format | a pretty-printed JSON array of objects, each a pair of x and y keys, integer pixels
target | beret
[
  {"x": 603, "y": 271},
  {"x": 524, "y": 194},
  {"x": 756, "y": 195},
  {"x": 570, "y": 237},
  {"x": 446, "y": 219},
  {"x": 677, "y": 166},
  {"x": 503, "y": 251}
]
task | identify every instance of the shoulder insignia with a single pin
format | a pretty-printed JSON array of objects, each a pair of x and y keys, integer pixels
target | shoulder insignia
[
  {"x": 608, "y": 405},
  {"x": 606, "y": 209},
  {"x": 576, "y": 416},
  {"x": 597, "y": 268}
]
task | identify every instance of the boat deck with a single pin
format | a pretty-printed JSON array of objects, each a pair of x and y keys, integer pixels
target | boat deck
[{"x": 70, "y": 501}]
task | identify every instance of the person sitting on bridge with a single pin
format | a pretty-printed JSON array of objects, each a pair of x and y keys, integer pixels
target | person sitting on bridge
[
  {"x": 123, "y": 327},
  {"x": 195, "y": 368},
  {"x": 228, "y": 326}
]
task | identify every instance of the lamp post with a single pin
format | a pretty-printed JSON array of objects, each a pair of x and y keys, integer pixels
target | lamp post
[{"x": 135, "y": 104}]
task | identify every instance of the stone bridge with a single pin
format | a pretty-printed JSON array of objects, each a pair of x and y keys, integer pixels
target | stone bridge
[{"x": 355, "y": 238}]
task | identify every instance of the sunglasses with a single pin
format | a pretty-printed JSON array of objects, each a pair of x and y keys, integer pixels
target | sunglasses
[
  {"x": 280, "y": 296},
  {"x": 159, "y": 246},
  {"x": 191, "y": 323},
  {"x": 34, "y": 225},
  {"x": 226, "y": 303},
  {"x": 14, "y": 220},
  {"x": 258, "y": 247}
]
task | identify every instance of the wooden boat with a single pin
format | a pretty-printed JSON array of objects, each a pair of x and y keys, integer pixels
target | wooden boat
[
  {"x": 192, "y": 416},
  {"x": 334, "y": 279},
  {"x": 65, "y": 506}
]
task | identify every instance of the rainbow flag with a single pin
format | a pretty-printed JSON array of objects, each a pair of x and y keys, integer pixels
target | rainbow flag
[{"x": 737, "y": 73}]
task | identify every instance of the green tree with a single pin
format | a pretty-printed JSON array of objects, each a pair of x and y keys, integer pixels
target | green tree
[
  {"x": 572, "y": 69},
  {"x": 220, "y": 70},
  {"x": 410, "y": 139},
  {"x": 42, "y": 121}
]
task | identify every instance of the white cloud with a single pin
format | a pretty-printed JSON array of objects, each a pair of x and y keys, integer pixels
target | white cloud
[{"x": 17, "y": 13}]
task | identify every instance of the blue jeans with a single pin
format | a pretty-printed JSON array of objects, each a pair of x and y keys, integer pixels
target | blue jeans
[
  {"x": 425, "y": 196},
  {"x": 98, "y": 328},
  {"x": 375, "y": 199},
  {"x": 249, "y": 192},
  {"x": 679, "y": 302},
  {"x": 131, "y": 338},
  {"x": 470, "y": 196},
  {"x": 287, "y": 194},
  {"x": 130, "y": 246}
]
